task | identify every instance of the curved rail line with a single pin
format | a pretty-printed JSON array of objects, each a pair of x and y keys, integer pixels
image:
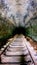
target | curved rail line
[{"x": 19, "y": 52}]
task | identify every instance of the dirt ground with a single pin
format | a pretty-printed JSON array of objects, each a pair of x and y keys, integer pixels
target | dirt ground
[{"x": 33, "y": 43}]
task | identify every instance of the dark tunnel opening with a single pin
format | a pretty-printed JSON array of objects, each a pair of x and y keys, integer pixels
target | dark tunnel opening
[{"x": 20, "y": 30}]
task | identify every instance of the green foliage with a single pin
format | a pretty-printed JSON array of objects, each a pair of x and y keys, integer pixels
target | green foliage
[
  {"x": 32, "y": 30},
  {"x": 6, "y": 29}
]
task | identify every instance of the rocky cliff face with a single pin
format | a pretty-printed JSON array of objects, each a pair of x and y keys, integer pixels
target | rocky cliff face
[
  {"x": 22, "y": 11},
  {"x": 19, "y": 13}
]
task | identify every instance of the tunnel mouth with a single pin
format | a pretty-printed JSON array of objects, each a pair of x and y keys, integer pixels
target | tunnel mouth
[{"x": 19, "y": 30}]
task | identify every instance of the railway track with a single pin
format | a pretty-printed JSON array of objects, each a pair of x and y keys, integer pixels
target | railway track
[{"x": 19, "y": 52}]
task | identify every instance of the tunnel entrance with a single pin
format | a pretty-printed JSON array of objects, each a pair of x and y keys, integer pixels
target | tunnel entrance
[{"x": 19, "y": 30}]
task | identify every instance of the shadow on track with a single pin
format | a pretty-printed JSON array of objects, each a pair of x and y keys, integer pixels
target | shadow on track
[{"x": 22, "y": 60}]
